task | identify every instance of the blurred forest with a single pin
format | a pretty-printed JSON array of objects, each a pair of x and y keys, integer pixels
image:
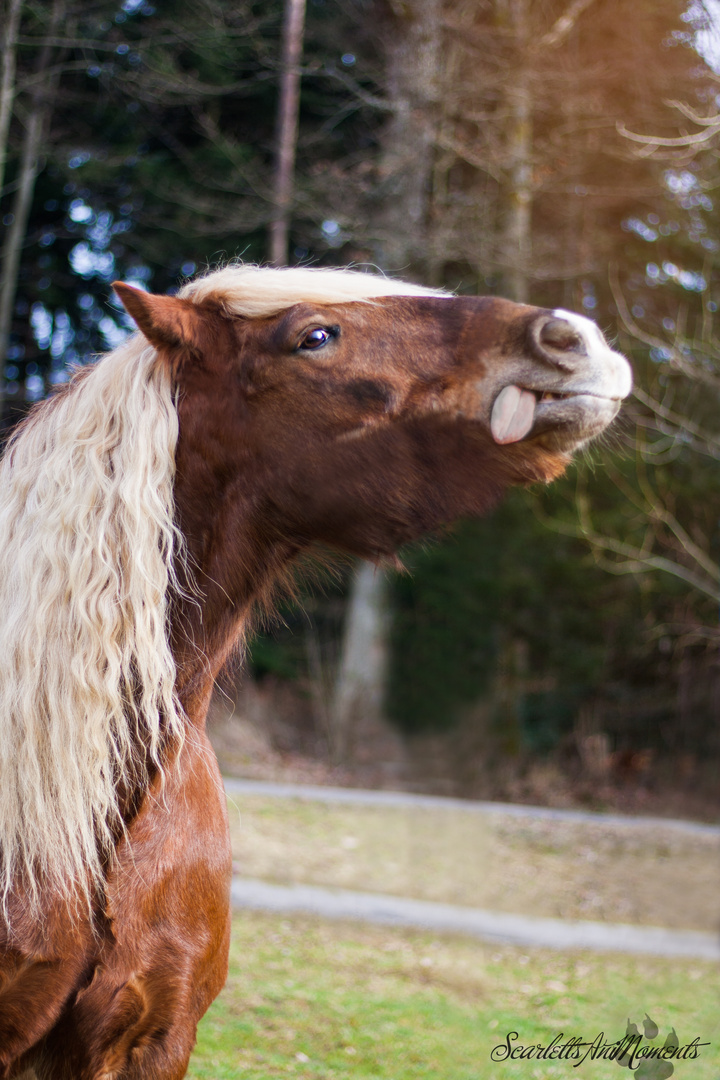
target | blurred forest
[{"x": 563, "y": 152}]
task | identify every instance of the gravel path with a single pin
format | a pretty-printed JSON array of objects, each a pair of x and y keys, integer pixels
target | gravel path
[
  {"x": 342, "y": 903},
  {"x": 358, "y": 796},
  {"x": 487, "y": 925}
]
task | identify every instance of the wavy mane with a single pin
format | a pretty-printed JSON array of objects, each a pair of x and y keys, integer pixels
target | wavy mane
[{"x": 87, "y": 544}]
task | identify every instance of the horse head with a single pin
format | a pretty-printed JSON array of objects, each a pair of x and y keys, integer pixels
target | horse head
[{"x": 367, "y": 423}]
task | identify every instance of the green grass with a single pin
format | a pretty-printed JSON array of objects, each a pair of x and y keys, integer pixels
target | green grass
[
  {"x": 318, "y": 1000},
  {"x": 321, "y": 1000},
  {"x": 557, "y": 869}
]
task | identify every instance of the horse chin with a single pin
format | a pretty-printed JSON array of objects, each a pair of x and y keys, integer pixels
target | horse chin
[{"x": 567, "y": 424}]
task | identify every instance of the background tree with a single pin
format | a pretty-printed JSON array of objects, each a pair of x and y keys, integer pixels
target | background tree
[
  {"x": 478, "y": 145},
  {"x": 287, "y": 128},
  {"x": 159, "y": 159},
  {"x": 581, "y": 193}
]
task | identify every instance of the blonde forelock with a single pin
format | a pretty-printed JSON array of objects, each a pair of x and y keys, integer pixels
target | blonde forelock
[{"x": 262, "y": 291}]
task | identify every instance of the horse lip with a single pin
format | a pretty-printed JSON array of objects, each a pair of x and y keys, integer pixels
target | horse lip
[
  {"x": 568, "y": 410},
  {"x": 550, "y": 407},
  {"x": 565, "y": 395}
]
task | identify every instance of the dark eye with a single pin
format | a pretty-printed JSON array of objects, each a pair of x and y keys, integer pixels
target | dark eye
[{"x": 318, "y": 336}]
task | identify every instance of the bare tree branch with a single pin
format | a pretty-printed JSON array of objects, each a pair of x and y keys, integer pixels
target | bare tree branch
[
  {"x": 633, "y": 559},
  {"x": 675, "y": 357},
  {"x": 656, "y": 141},
  {"x": 679, "y": 422},
  {"x": 562, "y": 26}
]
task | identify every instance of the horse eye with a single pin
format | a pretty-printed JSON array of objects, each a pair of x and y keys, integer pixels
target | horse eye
[{"x": 317, "y": 337}]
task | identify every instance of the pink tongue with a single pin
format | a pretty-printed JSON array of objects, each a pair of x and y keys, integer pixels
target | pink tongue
[{"x": 513, "y": 414}]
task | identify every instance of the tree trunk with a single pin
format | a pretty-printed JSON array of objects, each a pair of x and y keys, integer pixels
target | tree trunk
[
  {"x": 287, "y": 128},
  {"x": 514, "y": 15},
  {"x": 413, "y": 62},
  {"x": 11, "y": 22},
  {"x": 518, "y": 238},
  {"x": 357, "y": 704},
  {"x": 38, "y": 116},
  {"x": 15, "y": 235}
]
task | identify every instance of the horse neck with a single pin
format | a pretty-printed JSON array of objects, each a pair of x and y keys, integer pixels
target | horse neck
[{"x": 232, "y": 567}]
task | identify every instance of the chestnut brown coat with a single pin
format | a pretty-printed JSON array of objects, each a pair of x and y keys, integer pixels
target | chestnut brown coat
[{"x": 358, "y": 423}]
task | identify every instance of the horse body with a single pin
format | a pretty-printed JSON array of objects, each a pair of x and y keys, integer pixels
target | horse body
[
  {"x": 312, "y": 407},
  {"x": 122, "y": 996}
]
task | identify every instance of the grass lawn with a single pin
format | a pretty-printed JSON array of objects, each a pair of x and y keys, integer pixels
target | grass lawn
[
  {"x": 317, "y": 1000},
  {"x": 558, "y": 869}
]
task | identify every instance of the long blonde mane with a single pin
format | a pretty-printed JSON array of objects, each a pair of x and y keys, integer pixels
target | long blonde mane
[
  {"x": 87, "y": 549},
  {"x": 86, "y": 674}
]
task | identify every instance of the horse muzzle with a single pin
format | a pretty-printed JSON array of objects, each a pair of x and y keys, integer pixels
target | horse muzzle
[{"x": 569, "y": 391}]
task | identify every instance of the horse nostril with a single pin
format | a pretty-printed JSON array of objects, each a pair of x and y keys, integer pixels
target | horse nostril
[{"x": 559, "y": 334}]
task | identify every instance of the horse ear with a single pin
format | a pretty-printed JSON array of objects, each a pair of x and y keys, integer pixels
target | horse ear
[{"x": 164, "y": 320}]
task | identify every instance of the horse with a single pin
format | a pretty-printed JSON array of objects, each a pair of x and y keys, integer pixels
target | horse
[{"x": 146, "y": 509}]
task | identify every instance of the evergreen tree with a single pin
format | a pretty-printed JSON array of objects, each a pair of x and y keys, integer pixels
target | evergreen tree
[{"x": 158, "y": 149}]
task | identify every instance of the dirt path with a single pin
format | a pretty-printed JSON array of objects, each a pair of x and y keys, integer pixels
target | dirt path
[
  {"x": 486, "y": 925},
  {"x": 519, "y": 861},
  {"x": 360, "y": 797}
]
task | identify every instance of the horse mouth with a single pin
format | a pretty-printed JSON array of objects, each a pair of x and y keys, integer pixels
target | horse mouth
[
  {"x": 519, "y": 412},
  {"x": 550, "y": 395}
]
